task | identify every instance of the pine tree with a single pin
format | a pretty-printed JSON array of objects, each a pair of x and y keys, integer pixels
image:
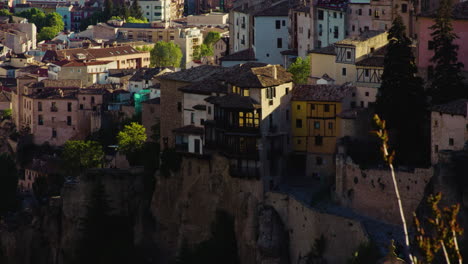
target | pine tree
[
  {"x": 108, "y": 11},
  {"x": 401, "y": 99},
  {"x": 447, "y": 81},
  {"x": 136, "y": 10}
]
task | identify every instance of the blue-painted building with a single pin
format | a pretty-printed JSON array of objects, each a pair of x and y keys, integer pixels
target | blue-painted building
[{"x": 65, "y": 12}]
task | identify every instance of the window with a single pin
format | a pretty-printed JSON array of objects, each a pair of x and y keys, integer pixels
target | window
[
  {"x": 370, "y": 12},
  {"x": 436, "y": 148},
  {"x": 287, "y": 115},
  {"x": 360, "y": 12},
  {"x": 343, "y": 71},
  {"x": 279, "y": 43},
  {"x": 316, "y": 124},
  {"x": 202, "y": 121},
  {"x": 179, "y": 106},
  {"x": 92, "y": 99},
  {"x": 283, "y": 23},
  {"x": 334, "y": 14},
  {"x": 192, "y": 118},
  {"x": 40, "y": 120},
  {"x": 69, "y": 120},
  {"x": 320, "y": 15},
  {"x": 341, "y": 15},
  {"x": 286, "y": 90},
  {"x": 335, "y": 32},
  {"x": 54, "y": 133},
  {"x": 404, "y": 8},
  {"x": 209, "y": 110},
  {"x": 81, "y": 106},
  {"x": 348, "y": 55},
  {"x": 326, "y": 108},
  {"x": 366, "y": 72},
  {"x": 312, "y": 107},
  {"x": 278, "y": 24},
  {"x": 54, "y": 108},
  {"x": 270, "y": 92},
  {"x": 318, "y": 141},
  {"x": 298, "y": 123},
  {"x": 330, "y": 125},
  {"x": 298, "y": 107},
  {"x": 39, "y": 106},
  {"x": 451, "y": 141},
  {"x": 318, "y": 160},
  {"x": 69, "y": 107},
  {"x": 367, "y": 93}
]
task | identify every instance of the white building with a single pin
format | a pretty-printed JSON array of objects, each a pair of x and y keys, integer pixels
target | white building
[
  {"x": 271, "y": 33},
  {"x": 305, "y": 31},
  {"x": 155, "y": 10},
  {"x": 331, "y": 20},
  {"x": 239, "y": 30},
  {"x": 449, "y": 127}
]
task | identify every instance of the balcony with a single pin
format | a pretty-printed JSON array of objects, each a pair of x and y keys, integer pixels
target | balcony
[{"x": 245, "y": 173}]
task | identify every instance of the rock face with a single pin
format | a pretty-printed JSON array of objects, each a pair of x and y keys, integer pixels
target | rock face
[
  {"x": 273, "y": 241},
  {"x": 185, "y": 204},
  {"x": 51, "y": 236}
]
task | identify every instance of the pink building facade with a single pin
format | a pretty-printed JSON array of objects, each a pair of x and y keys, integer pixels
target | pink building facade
[{"x": 424, "y": 48}]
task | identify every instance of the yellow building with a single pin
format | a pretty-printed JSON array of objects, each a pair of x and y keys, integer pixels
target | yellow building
[{"x": 316, "y": 125}]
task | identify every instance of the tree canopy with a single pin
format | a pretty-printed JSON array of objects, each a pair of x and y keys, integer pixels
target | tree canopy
[
  {"x": 5, "y": 12},
  {"x": 79, "y": 155},
  {"x": 131, "y": 138},
  {"x": 401, "y": 99},
  {"x": 447, "y": 81},
  {"x": 300, "y": 69},
  {"x": 166, "y": 54},
  {"x": 48, "y": 25},
  {"x": 8, "y": 183},
  {"x": 211, "y": 38}
]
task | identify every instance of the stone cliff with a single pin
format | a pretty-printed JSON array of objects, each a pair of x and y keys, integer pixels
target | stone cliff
[{"x": 50, "y": 235}]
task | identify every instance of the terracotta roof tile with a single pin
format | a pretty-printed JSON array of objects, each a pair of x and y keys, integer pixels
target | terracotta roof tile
[
  {"x": 457, "y": 107},
  {"x": 205, "y": 87},
  {"x": 243, "y": 55},
  {"x": 321, "y": 92},
  {"x": 257, "y": 75},
  {"x": 281, "y": 9}
]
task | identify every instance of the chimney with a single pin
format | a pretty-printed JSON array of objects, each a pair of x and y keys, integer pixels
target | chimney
[{"x": 275, "y": 72}]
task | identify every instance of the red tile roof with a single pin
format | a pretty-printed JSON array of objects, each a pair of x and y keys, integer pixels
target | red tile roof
[{"x": 321, "y": 92}]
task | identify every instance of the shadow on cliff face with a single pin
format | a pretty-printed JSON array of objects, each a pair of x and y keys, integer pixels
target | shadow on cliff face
[{"x": 103, "y": 217}]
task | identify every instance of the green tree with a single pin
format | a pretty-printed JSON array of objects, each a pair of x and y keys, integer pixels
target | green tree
[
  {"x": 401, "y": 99},
  {"x": 5, "y": 12},
  {"x": 6, "y": 114},
  {"x": 108, "y": 10},
  {"x": 211, "y": 38},
  {"x": 8, "y": 183},
  {"x": 447, "y": 81},
  {"x": 300, "y": 69},
  {"x": 136, "y": 11},
  {"x": 166, "y": 54},
  {"x": 95, "y": 18},
  {"x": 136, "y": 20},
  {"x": 131, "y": 138},
  {"x": 202, "y": 51},
  {"x": 47, "y": 33},
  {"x": 79, "y": 155},
  {"x": 54, "y": 20}
]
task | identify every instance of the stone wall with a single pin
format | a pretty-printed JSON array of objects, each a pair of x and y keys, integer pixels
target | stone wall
[
  {"x": 305, "y": 225},
  {"x": 184, "y": 205},
  {"x": 371, "y": 192}
]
